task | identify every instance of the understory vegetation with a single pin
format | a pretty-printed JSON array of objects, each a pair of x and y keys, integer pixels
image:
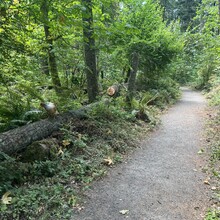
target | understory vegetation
[
  {"x": 128, "y": 57},
  {"x": 213, "y": 149},
  {"x": 82, "y": 151},
  {"x": 70, "y": 54}
]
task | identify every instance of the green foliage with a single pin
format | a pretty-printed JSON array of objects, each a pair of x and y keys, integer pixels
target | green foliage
[
  {"x": 213, "y": 136},
  {"x": 37, "y": 202},
  {"x": 186, "y": 12},
  {"x": 24, "y": 59},
  {"x": 48, "y": 189},
  {"x": 18, "y": 106},
  {"x": 9, "y": 173},
  {"x": 146, "y": 33},
  {"x": 114, "y": 110},
  {"x": 143, "y": 112},
  {"x": 213, "y": 215},
  {"x": 46, "y": 196},
  {"x": 165, "y": 89},
  {"x": 214, "y": 89},
  {"x": 199, "y": 60}
]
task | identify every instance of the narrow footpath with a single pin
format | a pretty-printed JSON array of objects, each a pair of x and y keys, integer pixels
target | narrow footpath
[{"x": 162, "y": 180}]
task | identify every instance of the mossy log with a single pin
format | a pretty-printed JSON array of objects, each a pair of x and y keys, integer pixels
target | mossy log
[
  {"x": 18, "y": 139},
  {"x": 46, "y": 149}
]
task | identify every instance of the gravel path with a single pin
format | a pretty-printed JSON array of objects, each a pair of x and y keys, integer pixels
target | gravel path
[{"x": 162, "y": 180}]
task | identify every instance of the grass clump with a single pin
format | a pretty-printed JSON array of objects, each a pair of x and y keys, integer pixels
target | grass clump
[{"x": 213, "y": 137}]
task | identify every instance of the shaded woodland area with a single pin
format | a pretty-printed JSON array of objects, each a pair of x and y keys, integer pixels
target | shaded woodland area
[{"x": 109, "y": 67}]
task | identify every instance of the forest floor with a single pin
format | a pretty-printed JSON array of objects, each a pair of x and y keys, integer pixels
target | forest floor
[{"x": 164, "y": 178}]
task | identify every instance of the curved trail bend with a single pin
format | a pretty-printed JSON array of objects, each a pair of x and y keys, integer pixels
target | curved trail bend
[{"x": 162, "y": 180}]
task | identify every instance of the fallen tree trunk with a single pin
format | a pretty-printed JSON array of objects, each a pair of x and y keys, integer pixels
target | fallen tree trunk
[{"x": 17, "y": 139}]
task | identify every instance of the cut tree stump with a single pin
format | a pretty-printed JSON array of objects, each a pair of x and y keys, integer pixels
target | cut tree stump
[{"x": 114, "y": 90}]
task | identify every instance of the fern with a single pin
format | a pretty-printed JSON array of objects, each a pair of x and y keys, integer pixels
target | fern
[{"x": 31, "y": 91}]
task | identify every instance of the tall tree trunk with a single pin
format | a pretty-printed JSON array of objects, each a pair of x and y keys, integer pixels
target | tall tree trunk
[
  {"x": 132, "y": 78},
  {"x": 49, "y": 40},
  {"x": 128, "y": 73},
  {"x": 45, "y": 65},
  {"x": 89, "y": 50}
]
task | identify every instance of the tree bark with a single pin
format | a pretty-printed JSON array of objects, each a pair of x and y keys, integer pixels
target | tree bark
[
  {"x": 89, "y": 50},
  {"x": 17, "y": 139},
  {"x": 128, "y": 73},
  {"x": 132, "y": 78},
  {"x": 49, "y": 40},
  {"x": 45, "y": 65}
]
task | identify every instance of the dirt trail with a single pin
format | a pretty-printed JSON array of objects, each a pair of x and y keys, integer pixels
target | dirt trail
[{"x": 162, "y": 180}]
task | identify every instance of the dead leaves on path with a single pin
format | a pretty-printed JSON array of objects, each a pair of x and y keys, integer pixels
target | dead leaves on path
[
  {"x": 108, "y": 161},
  {"x": 124, "y": 211},
  {"x": 201, "y": 151},
  {"x": 206, "y": 181},
  {"x": 6, "y": 199}
]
